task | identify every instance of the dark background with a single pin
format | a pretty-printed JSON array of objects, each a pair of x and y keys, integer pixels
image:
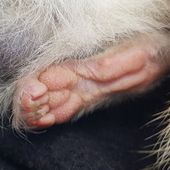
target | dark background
[{"x": 106, "y": 140}]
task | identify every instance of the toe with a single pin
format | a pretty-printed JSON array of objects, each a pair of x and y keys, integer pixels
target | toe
[
  {"x": 42, "y": 100},
  {"x": 34, "y": 88},
  {"x": 61, "y": 114},
  {"x": 46, "y": 121},
  {"x": 32, "y": 95},
  {"x": 58, "y": 98},
  {"x": 27, "y": 105},
  {"x": 68, "y": 110},
  {"x": 57, "y": 78}
]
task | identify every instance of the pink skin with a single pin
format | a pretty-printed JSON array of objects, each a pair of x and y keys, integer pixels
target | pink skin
[{"x": 62, "y": 91}]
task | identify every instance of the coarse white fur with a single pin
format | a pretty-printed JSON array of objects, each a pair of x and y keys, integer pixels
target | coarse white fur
[{"x": 37, "y": 33}]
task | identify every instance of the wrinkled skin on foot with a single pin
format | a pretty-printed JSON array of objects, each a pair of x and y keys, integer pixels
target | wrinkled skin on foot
[{"x": 60, "y": 92}]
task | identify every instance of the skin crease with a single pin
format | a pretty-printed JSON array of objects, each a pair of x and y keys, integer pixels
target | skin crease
[{"x": 61, "y": 59}]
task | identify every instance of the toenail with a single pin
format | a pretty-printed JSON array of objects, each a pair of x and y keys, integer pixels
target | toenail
[
  {"x": 43, "y": 100},
  {"x": 43, "y": 110},
  {"x": 48, "y": 119},
  {"x": 26, "y": 103}
]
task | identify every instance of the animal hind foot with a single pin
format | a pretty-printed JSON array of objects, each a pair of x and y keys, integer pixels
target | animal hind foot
[{"x": 61, "y": 91}]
